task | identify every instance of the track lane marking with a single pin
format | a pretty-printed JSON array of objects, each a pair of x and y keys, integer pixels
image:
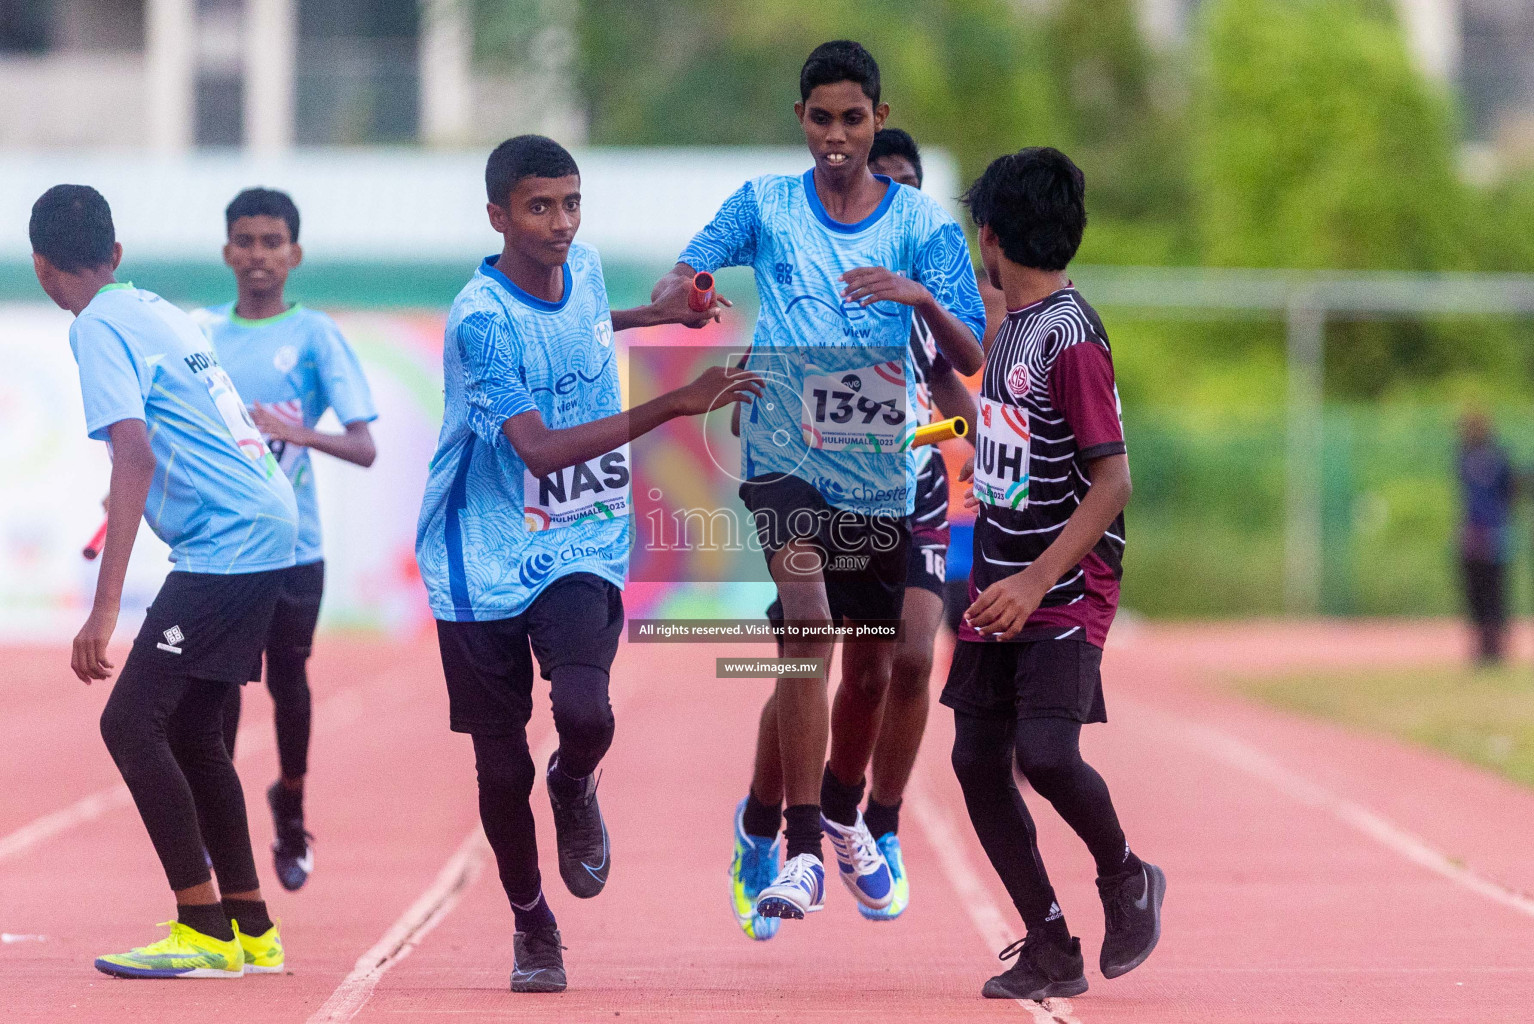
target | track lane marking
[
  {"x": 1239, "y": 754},
  {"x": 430, "y": 909},
  {"x": 338, "y": 711},
  {"x": 460, "y": 873},
  {"x": 989, "y": 919}
]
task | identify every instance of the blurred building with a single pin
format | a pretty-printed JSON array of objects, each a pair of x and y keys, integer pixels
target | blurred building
[{"x": 269, "y": 75}]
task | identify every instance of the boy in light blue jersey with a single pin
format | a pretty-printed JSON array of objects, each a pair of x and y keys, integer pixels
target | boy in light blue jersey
[
  {"x": 523, "y": 535},
  {"x": 187, "y": 458},
  {"x": 842, "y": 259},
  {"x": 291, "y": 364}
]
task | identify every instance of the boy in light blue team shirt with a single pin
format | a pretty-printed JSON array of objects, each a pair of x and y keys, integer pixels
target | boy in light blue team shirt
[
  {"x": 291, "y": 364},
  {"x": 186, "y": 457},
  {"x": 843, "y": 259},
  {"x": 524, "y": 530}
]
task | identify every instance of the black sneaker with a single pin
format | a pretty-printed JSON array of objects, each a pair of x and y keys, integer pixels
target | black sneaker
[
  {"x": 1132, "y": 909},
  {"x": 1042, "y": 971},
  {"x": 538, "y": 965},
  {"x": 581, "y": 836},
  {"x": 292, "y": 854}
]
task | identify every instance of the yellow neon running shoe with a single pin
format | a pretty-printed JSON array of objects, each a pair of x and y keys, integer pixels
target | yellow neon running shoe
[
  {"x": 263, "y": 953},
  {"x": 184, "y": 953}
]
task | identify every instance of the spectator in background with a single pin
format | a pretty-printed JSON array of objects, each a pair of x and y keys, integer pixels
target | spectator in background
[{"x": 1486, "y": 489}]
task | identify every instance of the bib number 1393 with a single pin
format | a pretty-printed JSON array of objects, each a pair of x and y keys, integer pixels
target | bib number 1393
[{"x": 862, "y": 409}]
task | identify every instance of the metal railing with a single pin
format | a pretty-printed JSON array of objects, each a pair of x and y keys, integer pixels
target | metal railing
[{"x": 1304, "y": 300}]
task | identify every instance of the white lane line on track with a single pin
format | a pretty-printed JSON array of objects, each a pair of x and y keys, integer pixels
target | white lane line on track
[
  {"x": 405, "y": 934},
  {"x": 333, "y": 713},
  {"x": 1237, "y": 753},
  {"x": 987, "y": 917},
  {"x": 410, "y": 930}
]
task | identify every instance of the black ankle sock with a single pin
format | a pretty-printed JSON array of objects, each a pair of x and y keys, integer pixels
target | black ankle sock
[
  {"x": 250, "y": 915},
  {"x": 1128, "y": 865},
  {"x": 803, "y": 830},
  {"x": 563, "y": 786},
  {"x": 760, "y": 819},
  {"x": 839, "y": 801},
  {"x": 1054, "y": 931},
  {"x": 207, "y": 918},
  {"x": 537, "y": 917},
  {"x": 881, "y": 818}
]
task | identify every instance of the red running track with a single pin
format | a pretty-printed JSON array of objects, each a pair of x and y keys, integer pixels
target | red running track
[{"x": 1314, "y": 874}]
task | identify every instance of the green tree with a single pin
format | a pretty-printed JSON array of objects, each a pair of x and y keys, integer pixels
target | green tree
[{"x": 1319, "y": 145}]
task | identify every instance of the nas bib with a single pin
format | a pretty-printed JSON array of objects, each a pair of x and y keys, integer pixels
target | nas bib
[{"x": 595, "y": 489}]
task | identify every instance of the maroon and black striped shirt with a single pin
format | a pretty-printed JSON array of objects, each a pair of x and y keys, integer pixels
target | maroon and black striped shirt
[{"x": 1050, "y": 367}]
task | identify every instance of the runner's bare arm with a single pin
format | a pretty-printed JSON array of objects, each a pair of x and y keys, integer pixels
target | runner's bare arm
[
  {"x": 1005, "y": 605},
  {"x": 957, "y": 342},
  {"x": 546, "y": 450},
  {"x": 952, "y": 398},
  {"x": 668, "y": 304},
  {"x": 355, "y": 446},
  {"x": 132, "y": 471}
]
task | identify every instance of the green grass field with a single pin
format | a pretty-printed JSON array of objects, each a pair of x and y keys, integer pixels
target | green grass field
[{"x": 1485, "y": 717}]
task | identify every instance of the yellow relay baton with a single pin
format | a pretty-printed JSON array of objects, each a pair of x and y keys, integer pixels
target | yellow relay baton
[{"x": 942, "y": 430}]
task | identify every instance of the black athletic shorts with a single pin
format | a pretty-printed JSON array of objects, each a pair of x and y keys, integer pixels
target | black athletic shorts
[
  {"x": 208, "y": 626},
  {"x": 864, "y": 557},
  {"x": 927, "y": 567},
  {"x": 1036, "y": 679},
  {"x": 298, "y": 610},
  {"x": 577, "y": 620}
]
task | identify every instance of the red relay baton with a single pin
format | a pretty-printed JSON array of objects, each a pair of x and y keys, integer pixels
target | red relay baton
[
  {"x": 702, "y": 295},
  {"x": 97, "y": 542}
]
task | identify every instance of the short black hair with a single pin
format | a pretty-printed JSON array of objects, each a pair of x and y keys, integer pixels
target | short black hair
[
  {"x": 840, "y": 60},
  {"x": 1035, "y": 202},
  {"x": 263, "y": 202},
  {"x": 526, "y": 156},
  {"x": 896, "y": 142},
  {"x": 72, "y": 227}
]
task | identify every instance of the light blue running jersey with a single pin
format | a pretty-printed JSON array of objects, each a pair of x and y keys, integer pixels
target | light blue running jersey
[
  {"x": 808, "y": 340},
  {"x": 492, "y": 536},
  {"x": 298, "y": 364},
  {"x": 217, "y": 497}
]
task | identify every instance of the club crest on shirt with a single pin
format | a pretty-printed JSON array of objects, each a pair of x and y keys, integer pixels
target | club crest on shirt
[
  {"x": 1017, "y": 380},
  {"x": 285, "y": 358},
  {"x": 604, "y": 332}
]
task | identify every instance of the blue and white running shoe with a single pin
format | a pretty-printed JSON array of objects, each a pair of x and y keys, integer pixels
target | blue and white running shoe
[
  {"x": 800, "y": 889},
  {"x": 889, "y": 845},
  {"x": 753, "y": 868},
  {"x": 862, "y": 865}
]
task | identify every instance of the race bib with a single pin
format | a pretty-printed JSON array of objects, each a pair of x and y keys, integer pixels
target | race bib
[
  {"x": 1001, "y": 455},
  {"x": 591, "y": 490},
  {"x": 232, "y": 411},
  {"x": 856, "y": 410}
]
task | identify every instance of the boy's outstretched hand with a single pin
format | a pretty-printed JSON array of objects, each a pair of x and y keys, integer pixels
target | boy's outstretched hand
[
  {"x": 715, "y": 388},
  {"x": 668, "y": 302}
]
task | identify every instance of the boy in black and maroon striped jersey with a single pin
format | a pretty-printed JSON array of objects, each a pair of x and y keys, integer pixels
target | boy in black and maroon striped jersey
[{"x": 1051, "y": 481}]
